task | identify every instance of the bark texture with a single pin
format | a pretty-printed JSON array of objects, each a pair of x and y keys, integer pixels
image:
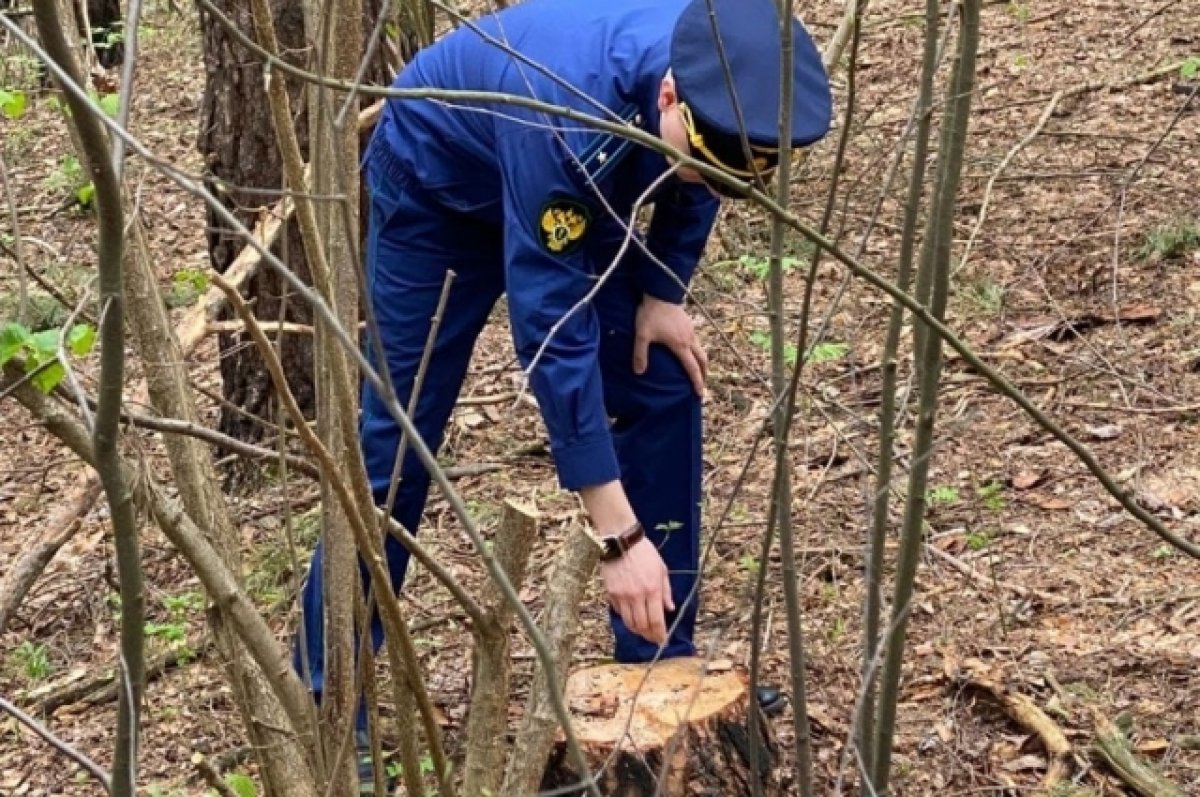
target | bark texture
[
  {"x": 573, "y": 569},
  {"x": 488, "y": 718},
  {"x": 238, "y": 142}
]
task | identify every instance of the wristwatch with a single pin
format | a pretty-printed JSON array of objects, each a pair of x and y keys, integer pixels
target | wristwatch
[{"x": 614, "y": 546}]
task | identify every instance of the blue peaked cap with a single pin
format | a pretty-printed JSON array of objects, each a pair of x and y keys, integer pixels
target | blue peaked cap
[{"x": 749, "y": 32}]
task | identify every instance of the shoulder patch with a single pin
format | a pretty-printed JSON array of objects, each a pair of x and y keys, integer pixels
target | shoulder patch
[
  {"x": 605, "y": 150},
  {"x": 563, "y": 224}
]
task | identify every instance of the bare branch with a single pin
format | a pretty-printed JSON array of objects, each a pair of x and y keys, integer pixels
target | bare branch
[
  {"x": 17, "y": 244},
  {"x": 935, "y": 273},
  {"x": 70, "y": 752},
  {"x": 111, "y": 247}
]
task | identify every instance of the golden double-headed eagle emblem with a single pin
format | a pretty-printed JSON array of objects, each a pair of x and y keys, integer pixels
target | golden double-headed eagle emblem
[{"x": 563, "y": 223}]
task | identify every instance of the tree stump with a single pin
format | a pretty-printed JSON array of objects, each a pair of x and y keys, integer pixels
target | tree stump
[{"x": 682, "y": 732}]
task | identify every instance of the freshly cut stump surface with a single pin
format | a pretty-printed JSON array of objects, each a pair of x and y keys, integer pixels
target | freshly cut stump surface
[{"x": 672, "y": 730}]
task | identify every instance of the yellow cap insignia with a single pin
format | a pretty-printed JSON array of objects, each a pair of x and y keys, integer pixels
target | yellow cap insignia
[{"x": 564, "y": 221}]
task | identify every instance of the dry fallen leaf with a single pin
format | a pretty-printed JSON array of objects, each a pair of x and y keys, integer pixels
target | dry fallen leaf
[
  {"x": 1026, "y": 479},
  {"x": 1049, "y": 502},
  {"x": 1025, "y": 763},
  {"x": 1107, "y": 432}
]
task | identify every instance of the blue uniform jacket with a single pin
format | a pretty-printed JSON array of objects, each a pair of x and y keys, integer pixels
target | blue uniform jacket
[{"x": 553, "y": 186}]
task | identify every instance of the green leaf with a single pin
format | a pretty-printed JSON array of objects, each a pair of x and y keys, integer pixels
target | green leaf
[
  {"x": 243, "y": 785},
  {"x": 44, "y": 344},
  {"x": 192, "y": 279},
  {"x": 942, "y": 495},
  {"x": 13, "y": 338},
  {"x": 758, "y": 266},
  {"x": 1190, "y": 68},
  {"x": 48, "y": 378},
  {"x": 172, "y": 632},
  {"x": 826, "y": 352},
  {"x": 110, "y": 104},
  {"x": 978, "y": 540},
  {"x": 81, "y": 339},
  {"x": 13, "y": 103},
  {"x": 763, "y": 341},
  {"x": 85, "y": 194}
]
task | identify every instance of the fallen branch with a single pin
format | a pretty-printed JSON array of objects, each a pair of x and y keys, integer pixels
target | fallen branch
[
  {"x": 24, "y": 573},
  {"x": 58, "y": 744},
  {"x": 1114, "y": 747},
  {"x": 103, "y": 688},
  {"x": 287, "y": 328},
  {"x": 464, "y": 471},
  {"x": 1026, "y": 713}
]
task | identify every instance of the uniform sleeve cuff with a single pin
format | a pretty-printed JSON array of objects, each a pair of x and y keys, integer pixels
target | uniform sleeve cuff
[
  {"x": 658, "y": 284},
  {"x": 587, "y": 463}
]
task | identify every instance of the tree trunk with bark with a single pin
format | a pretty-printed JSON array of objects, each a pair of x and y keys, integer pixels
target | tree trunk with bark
[
  {"x": 244, "y": 168},
  {"x": 238, "y": 142},
  {"x": 107, "y": 31}
]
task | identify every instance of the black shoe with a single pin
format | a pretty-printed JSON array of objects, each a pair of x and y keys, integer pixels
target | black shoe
[
  {"x": 771, "y": 701},
  {"x": 366, "y": 767}
]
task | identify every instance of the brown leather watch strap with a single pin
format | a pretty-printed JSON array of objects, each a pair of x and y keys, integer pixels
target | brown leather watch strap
[{"x": 615, "y": 546}]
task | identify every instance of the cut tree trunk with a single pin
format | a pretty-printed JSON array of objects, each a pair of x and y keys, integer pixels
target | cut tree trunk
[{"x": 670, "y": 730}]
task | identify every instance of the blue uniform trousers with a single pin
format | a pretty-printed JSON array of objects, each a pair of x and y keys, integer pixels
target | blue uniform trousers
[{"x": 656, "y": 417}]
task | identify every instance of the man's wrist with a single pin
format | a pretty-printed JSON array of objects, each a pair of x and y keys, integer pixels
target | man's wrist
[
  {"x": 615, "y": 546},
  {"x": 608, "y": 508}
]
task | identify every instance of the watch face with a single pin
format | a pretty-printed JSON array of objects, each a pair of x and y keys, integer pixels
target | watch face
[{"x": 612, "y": 548}]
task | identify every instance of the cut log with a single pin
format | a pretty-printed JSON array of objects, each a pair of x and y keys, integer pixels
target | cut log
[{"x": 671, "y": 730}]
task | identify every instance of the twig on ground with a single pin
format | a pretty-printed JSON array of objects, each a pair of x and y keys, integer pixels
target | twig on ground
[
  {"x": 1008, "y": 157},
  {"x": 103, "y": 688},
  {"x": 1181, "y": 409},
  {"x": 58, "y": 744},
  {"x": 1016, "y": 589}
]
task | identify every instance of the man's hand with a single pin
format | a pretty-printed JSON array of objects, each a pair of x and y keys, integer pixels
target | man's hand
[
  {"x": 639, "y": 590},
  {"x": 669, "y": 324}
]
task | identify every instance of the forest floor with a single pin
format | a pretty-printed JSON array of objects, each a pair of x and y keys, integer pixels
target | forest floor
[{"x": 1082, "y": 286}]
